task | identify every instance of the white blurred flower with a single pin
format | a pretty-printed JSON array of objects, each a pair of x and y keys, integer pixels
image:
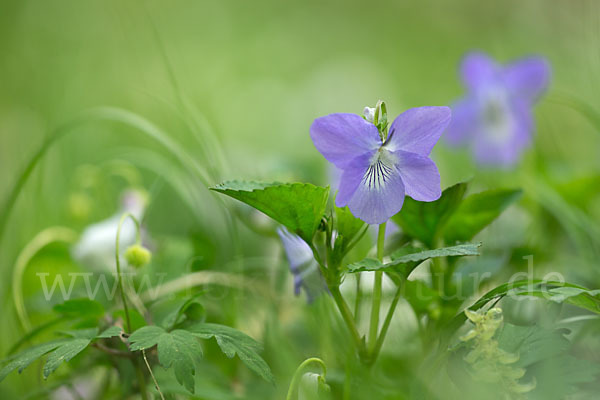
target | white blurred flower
[{"x": 96, "y": 246}]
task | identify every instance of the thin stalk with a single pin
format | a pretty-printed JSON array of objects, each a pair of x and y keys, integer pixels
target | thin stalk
[
  {"x": 386, "y": 324},
  {"x": 136, "y": 364},
  {"x": 377, "y": 284},
  {"x": 119, "y": 275},
  {"x": 347, "y": 316},
  {"x": 152, "y": 375},
  {"x": 293, "y": 390},
  {"x": 340, "y": 302}
]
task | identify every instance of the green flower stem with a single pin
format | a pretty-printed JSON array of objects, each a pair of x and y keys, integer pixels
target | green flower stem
[
  {"x": 340, "y": 302},
  {"x": 347, "y": 316},
  {"x": 293, "y": 390},
  {"x": 136, "y": 363},
  {"x": 386, "y": 324},
  {"x": 374, "y": 326},
  {"x": 117, "y": 252}
]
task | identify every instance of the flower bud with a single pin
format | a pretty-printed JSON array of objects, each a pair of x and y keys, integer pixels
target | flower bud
[
  {"x": 369, "y": 114},
  {"x": 137, "y": 255}
]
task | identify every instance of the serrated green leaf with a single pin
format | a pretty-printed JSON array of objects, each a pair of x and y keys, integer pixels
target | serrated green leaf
[
  {"x": 83, "y": 307},
  {"x": 23, "y": 359},
  {"x": 425, "y": 220},
  {"x": 232, "y": 342},
  {"x": 525, "y": 287},
  {"x": 65, "y": 352},
  {"x": 412, "y": 259},
  {"x": 297, "y": 206},
  {"x": 366, "y": 264},
  {"x": 59, "y": 351},
  {"x": 532, "y": 343},
  {"x": 178, "y": 349},
  {"x": 580, "y": 297},
  {"x": 110, "y": 332},
  {"x": 145, "y": 337},
  {"x": 476, "y": 212}
]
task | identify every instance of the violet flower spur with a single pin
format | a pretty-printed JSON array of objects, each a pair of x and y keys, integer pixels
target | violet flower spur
[
  {"x": 495, "y": 117},
  {"x": 378, "y": 171},
  {"x": 303, "y": 265}
]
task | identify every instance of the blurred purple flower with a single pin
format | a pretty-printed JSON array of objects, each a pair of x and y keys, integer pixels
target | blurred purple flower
[
  {"x": 375, "y": 175},
  {"x": 303, "y": 265},
  {"x": 495, "y": 116}
]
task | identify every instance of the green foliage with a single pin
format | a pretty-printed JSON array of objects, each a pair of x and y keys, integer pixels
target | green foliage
[
  {"x": 477, "y": 211},
  {"x": 65, "y": 352},
  {"x": 181, "y": 350},
  {"x": 577, "y": 296},
  {"x": 83, "y": 307},
  {"x": 410, "y": 260},
  {"x": 232, "y": 342},
  {"x": 178, "y": 349},
  {"x": 347, "y": 227},
  {"x": 58, "y": 350},
  {"x": 425, "y": 220},
  {"x": 110, "y": 332},
  {"x": 545, "y": 354},
  {"x": 297, "y": 206},
  {"x": 25, "y": 358},
  {"x": 555, "y": 291},
  {"x": 183, "y": 310},
  {"x": 453, "y": 217}
]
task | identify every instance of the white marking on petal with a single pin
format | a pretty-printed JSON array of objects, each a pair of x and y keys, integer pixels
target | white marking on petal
[{"x": 381, "y": 168}]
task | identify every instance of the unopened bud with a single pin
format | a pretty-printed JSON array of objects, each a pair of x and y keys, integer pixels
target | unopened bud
[{"x": 137, "y": 255}]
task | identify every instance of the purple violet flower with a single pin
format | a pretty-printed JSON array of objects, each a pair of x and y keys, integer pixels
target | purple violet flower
[
  {"x": 303, "y": 265},
  {"x": 495, "y": 116},
  {"x": 377, "y": 174}
]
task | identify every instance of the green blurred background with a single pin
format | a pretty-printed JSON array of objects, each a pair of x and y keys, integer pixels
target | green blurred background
[{"x": 236, "y": 84}]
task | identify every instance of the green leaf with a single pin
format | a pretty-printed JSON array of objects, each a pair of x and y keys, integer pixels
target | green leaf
[
  {"x": 476, "y": 212},
  {"x": 532, "y": 343},
  {"x": 232, "y": 342},
  {"x": 110, "y": 332},
  {"x": 181, "y": 350},
  {"x": 23, "y": 359},
  {"x": 412, "y": 259},
  {"x": 59, "y": 351},
  {"x": 145, "y": 337},
  {"x": 184, "y": 309},
  {"x": 178, "y": 349},
  {"x": 65, "y": 352},
  {"x": 83, "y": 307},
  {"x": 347, "y": 225},
  {"x": 297, "y": 206},
  {"x": 580, "y": 297},
  {"x": 530, "y": 287},
  {"x": 545, "y": 354},
  {"x": 425, "y": 220}
]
